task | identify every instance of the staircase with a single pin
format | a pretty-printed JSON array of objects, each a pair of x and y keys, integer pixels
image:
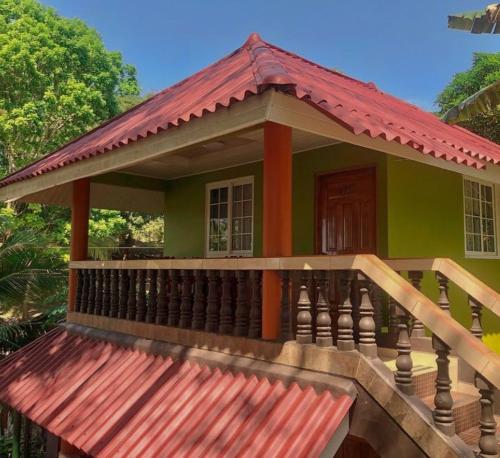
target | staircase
[{"x": 466, "y": 407}]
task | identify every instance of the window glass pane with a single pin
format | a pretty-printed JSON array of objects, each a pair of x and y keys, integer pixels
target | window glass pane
[
  {"x": 468, "y": 206},
  {"x": 214, "y": 211},
  {"x": 488, "y": 227},
  {"x": 236, "y": 242},
  {"x": 214, "y": 196},
  {"x": 487, "y": 193},
  {"x": 223, "y": 211},
  {"x": 477, "y": 243},
  {"x": 212, "y": 243},
  {"x": 476, "y": 225},
  {"x": 247, "y": 225},
  {"x": 475, "y": 189},
  {"x": 237, "y": 229},
  {"x": 467, "y": 188},
  {"x": 468, "y": 224},
  {"x": 223, "y": 194},
  {"x": 237, "y": 193},
  {"x": 469, "y": 242},
  {"x": 247, "y": 192},
  {"x": 247, "y": 208},
  {"x": 246, "y": 242},
  {"x": 476, "y": 208},
  {"x": 487, "y": 210},
  {"x": 489, "y": 244},
  {"x": 237, "y": 208}
]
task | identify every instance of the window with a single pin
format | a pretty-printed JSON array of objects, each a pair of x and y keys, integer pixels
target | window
[
  {"x": 230, "y": 218},
  {"x": 480, "y": 219}
]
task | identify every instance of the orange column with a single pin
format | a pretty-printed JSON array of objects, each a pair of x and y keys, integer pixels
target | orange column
[
  {"x": 80, "y": 209},
  {"x": 277, "y": 218}
]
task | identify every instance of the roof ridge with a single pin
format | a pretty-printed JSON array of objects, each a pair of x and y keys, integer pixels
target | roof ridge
[
  {"x": 369, "y": 84},
  {"x": 266, "y": 66}
]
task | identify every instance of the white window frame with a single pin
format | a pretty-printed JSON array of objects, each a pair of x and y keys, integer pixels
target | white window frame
[
  {"x": 229, "y": 184},
  {"x": 496, "y": 211}
]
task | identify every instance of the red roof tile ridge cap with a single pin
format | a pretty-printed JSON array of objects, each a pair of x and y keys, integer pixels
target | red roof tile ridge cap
[{"x": 266, "y": 66}]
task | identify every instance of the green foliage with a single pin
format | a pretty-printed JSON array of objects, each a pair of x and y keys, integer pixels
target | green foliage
[
  {"x": 57, "y": 80},
  {"x": 485, "y": 70},
  {"x": 32, "y": 276}
]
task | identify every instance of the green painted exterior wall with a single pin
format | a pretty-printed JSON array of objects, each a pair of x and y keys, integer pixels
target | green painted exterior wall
[
  {"x": 425, "y": 219},
  {"x": 419, "y": 214}
]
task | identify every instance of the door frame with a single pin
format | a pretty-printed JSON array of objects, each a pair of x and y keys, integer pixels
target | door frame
[{"x": 317, "y": 178}]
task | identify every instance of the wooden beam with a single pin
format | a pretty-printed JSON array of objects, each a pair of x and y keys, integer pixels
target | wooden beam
[
  {"x": 80, "y": 209},
  {"x": 277, "y": 218}
]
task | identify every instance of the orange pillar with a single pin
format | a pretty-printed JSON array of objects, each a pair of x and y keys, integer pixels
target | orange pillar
[
  {"x": 80, "y": 208},
  {"x": 277, "y": 218}
]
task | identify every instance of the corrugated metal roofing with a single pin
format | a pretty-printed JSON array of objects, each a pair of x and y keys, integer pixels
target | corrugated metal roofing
[
  {"x": 114, "y": 401},
  {"x": 255, "y": 67}
]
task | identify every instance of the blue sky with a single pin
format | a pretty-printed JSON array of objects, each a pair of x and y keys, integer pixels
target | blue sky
[{"x": 403, "y": 46}]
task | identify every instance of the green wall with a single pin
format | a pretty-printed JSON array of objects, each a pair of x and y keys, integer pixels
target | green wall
[
  {"x": 185, "y": 210},
  {"x": 419, "y": 214},
  {"x": 185, "y": 200},
  {"x": 425, "y": 219}
]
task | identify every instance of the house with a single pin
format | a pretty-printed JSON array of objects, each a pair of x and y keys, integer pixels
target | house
[{"x": 331, "y": 261}]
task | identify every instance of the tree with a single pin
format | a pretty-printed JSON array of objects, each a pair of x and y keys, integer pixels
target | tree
[
  {"x": 485, "y": 71},
  {"x": 57, "y": 80}
]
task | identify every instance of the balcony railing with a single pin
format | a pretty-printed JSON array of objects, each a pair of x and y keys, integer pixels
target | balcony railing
[{"x": 224, "y": 296}]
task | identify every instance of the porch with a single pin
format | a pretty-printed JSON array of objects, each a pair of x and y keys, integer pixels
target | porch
[{"x": 293, "y": 235}]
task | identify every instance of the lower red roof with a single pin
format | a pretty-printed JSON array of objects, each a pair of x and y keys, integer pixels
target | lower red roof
[{"x": 114, "y": 401}]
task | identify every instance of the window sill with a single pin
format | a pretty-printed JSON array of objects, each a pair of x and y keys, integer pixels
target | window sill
[{"x": 481, "y": 256}]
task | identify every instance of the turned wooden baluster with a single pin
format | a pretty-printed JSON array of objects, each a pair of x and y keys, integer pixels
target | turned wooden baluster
[
  {"x": 443, "y": 301},
  {"x": 98, "y": 292},
  {"x": 91, "y": 303},
  {"x": 443, "y": 401},
  {"x": 84, "y": 305},
  {"x": 226, "y": 309},
  {"x": 304, "y": 317},
  {"x": 404, "y": 364},
  {"x": 476, "y": 328},
  {"x": 345, "y": 338},
  {"x": 141, "y": 296},
  {"x": 417, "y": 327},
  {"x": 174, "y": 304},
  {"x": 115, "y": 294},
  {"x": 393, "y": 321},
  {"x": 152, "y": 296},
  {"x": 162, "y": 310},
  {"x": 79, "y": 290},
  {"x": 106, "y": 292},
  {"x": 255, "y": 329},
  {"x": 241, "y": 313},
  {"x": 285, "y": 312},
  {"x": 376, "y": 295},
  {"x": 488, "y": 445},
  {"x": 124, "y": 289},
  {"x": 367, "y": 343},
  {"x": 186, "y": 299},
  {"x": 200, "y": 302},
  {"x": 132, "y": 295},
  {"x": 323, "y": 319},
  {"x": 212, "y": 324}
]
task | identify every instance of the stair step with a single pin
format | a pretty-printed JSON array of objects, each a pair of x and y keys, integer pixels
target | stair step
[
  {"x": 471, "y": 436},
  {"x": 424, "y": 379},
  {"x": 466, "y": 410}
]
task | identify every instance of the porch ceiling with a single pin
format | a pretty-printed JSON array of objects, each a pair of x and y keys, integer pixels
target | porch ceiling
[{"x": 223, "y": 152}]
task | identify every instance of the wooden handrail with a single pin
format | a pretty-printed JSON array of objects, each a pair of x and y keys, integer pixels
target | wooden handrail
[
  {"x": 474, "y": 287},
  {"x": 470, "y": 349}
]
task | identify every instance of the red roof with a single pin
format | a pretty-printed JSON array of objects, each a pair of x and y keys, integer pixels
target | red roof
[
  {"x": 258, "y": 66},
  {"x": 115, "y": 401}
]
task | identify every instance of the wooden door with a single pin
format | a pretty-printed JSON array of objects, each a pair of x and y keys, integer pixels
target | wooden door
[{"x": 345, "y": 216}]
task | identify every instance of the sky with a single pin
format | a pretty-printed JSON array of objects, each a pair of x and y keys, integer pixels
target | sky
[{"x": 403, "y": 46}]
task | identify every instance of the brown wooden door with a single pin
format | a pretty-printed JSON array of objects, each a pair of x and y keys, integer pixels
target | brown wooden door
[{"x": 346, "y": 212}]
